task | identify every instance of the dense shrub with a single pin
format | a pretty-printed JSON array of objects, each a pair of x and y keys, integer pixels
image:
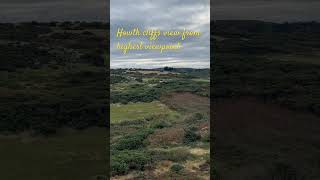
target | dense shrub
[
  {"x": 117, "y": 79},
  {"x": 161, "y": 124},
  {"x": 176, "y": 168},
  {"x": 132, "y": 141},
  {"x": 135, "y": 94},
  {"x": 195, "y": 118},
  {"x": 191, "y": 135},
  {"x": 146, "y": 93},
  {"x": 123, "y": 161}
]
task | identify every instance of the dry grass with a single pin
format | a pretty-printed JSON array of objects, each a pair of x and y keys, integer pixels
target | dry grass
[
  {"x": 167, "y": 136},
  {"x": 187, "y": 102}
]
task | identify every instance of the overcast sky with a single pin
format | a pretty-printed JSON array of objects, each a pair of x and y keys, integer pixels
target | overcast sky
[{"x": 163, "y": 15}]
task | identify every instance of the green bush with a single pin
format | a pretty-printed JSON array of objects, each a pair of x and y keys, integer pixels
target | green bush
[
  {"x": 119, "y": 167},
  {"x": 132, "y": 141},
  {"x": 194, "y": 118},
  {"x": 197, "y": 116},
  {"x": 176, "y": 168},
  {"x": 191, "y": 135},
  {"x": 123, "y": 161},
  {"x": 161, "y": 124}
]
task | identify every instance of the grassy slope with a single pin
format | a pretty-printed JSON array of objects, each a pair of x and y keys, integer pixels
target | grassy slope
[
  {"x": 167, "y": 119},
  {"x": 137, "y": 111}
]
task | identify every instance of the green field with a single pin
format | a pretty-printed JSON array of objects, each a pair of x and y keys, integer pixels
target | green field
[{"x": 137, "y": 111}]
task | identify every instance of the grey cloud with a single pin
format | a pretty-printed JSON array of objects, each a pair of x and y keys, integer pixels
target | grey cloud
[{"x": 163, "y": 15}]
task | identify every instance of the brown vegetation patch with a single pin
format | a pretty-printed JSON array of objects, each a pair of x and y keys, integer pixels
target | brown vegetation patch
[
  {"x": 167, "y": 136},
  {"x": 197, "y": 167},
  {"x": 204, "y": 129},
  {"x": 162, "y": 168},
  {"x": 187, "y": 102}
]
